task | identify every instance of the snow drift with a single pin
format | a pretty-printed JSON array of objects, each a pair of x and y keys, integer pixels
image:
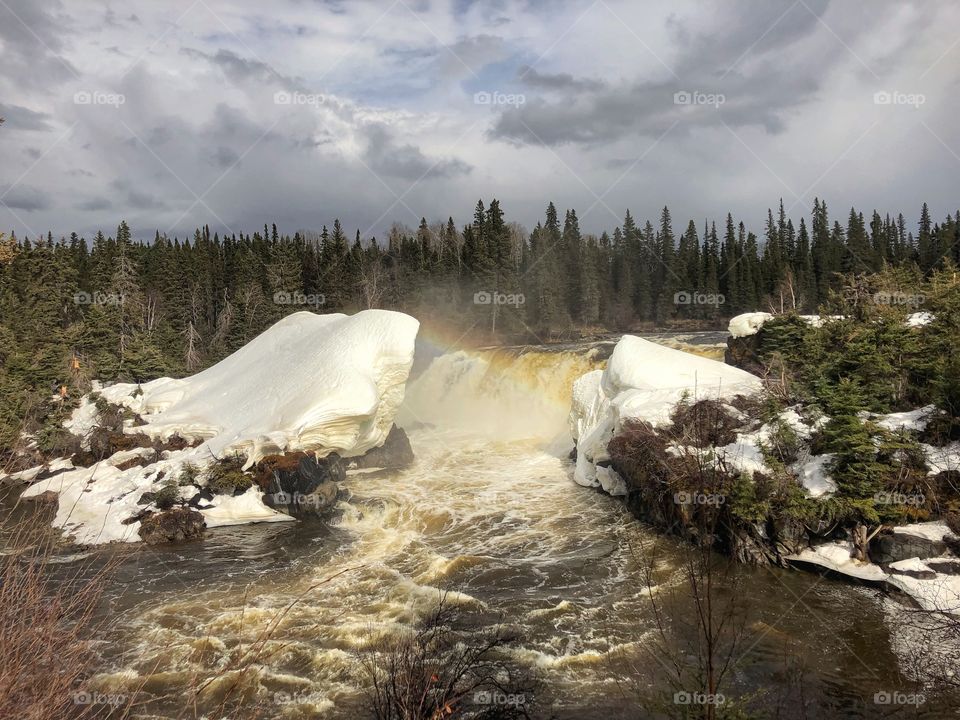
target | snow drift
[
  {"x": 642, "y": 381},
  {"x": 316, "y": 383}
]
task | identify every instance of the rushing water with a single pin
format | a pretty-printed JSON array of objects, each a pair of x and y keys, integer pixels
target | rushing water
[{"x": 490, "y": 513}]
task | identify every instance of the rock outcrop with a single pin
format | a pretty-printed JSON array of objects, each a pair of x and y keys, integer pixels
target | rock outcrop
[
  {"x": 171, "y": 526},
  {"x": 395, "y": 454}
]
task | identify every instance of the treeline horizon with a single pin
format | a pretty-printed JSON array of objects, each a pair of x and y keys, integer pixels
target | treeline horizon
[{"x": 73, "y": 310}]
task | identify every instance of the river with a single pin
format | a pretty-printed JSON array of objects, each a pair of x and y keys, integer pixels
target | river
[{"x": 489, "y": 512}]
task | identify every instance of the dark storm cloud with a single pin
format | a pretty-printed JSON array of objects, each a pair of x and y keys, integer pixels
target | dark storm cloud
[
  {"x": 223, "y": 157},
  {"x": 31, "y": 43},
  {"x": 556, "y": 81},
  {"x": 583, "y": 110},
  {"x": 403, "y": 160},
  {"x": 25, "y": 197},
  {"x": 97, "y": 204},
  {"x": 145, "y": 201}
]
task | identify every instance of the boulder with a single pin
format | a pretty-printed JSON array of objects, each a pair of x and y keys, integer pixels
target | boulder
[
  {"x": 741, "y": 352},
  {"x": 789, "y": 537},
  {"x": 201, "y": 499},
  {"x": 300, "y": 484},
  {"x": 47, "y": 498},
  {"x": 172, "y": 526},
  {"x": 751, "y": 545},
  {"x": 395, "y": 453},
  {"x": 890, "y": 547},
  {"x": 944, "y": 566}
]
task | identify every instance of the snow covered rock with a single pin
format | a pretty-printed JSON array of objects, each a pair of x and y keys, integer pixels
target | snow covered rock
[
  {"x": 837, "y": 557},
  {"x": 747, "y": 323},
  {"x": 324, "y": 383},
  {"x": 642, "y": 381},
  {"x": 312, "y": 383}
]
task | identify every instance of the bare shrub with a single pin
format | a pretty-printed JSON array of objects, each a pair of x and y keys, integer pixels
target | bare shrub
[
  {"x": 439, "y": 672},
  {"x": 46, "y": 625},
  {"x": 704, "y": 423}
]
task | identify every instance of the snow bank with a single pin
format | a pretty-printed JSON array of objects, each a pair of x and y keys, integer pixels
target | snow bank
[
  {"x": 942, "y": 459},
  {"x": 751, "y": 322},
  {"x": 240, "y": 510},
  {"x": 934, "y": 530},
  {"x": 814, "y": 476},
  {"x": 324, "y": 383},
  {"x": 642, "y": 381},
  {"x": 838, "y": 557},
  {"x": 747, "y": 324},
  {"x": 916, "y": 420},
  {"x": 316, "y": 383},
  {"x": 919, "y": 319},
  {"x": 935, "y": 591}
]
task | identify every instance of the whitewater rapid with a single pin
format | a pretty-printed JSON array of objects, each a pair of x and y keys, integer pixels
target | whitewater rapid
[{"x": 488, "y": 512}]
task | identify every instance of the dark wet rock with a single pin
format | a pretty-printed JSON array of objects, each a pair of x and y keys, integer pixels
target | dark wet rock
[
  {"x": 201, "y": 499},
  {"x": 395, "y": 453},
  {"x": 946, "y": 566},
  {"x": 892, "y": 547},
  {"x": 147, "y": 498},
  {"x": 299, "y": 472},
  {"x": 752, "y": 545},
  {"x": 914, "y": 573},
  {"x": 172, "y": 526},
  {"x": 742, "y": 353},
  {"x": 789, "y": 536},
  {"x": 300, "y": 484},
  {"x": 301, "y": 505}
]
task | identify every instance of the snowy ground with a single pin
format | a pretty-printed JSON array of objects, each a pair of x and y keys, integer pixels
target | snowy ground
[
  {"x": 318, "y": 383},
  {"x": 933, "y": 590}
]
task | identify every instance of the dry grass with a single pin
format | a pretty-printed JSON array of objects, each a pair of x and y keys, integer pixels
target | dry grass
[{"x": 46, "y": 624}]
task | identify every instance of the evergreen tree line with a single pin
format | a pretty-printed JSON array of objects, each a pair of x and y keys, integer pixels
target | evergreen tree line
[{"x": 118, "y": 308}]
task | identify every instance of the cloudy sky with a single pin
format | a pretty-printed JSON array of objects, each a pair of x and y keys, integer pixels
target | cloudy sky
[{"x": 183, "y": 112}]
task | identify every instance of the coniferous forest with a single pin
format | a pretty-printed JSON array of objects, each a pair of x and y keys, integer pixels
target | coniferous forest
[{"x": 114, "y": 307}]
